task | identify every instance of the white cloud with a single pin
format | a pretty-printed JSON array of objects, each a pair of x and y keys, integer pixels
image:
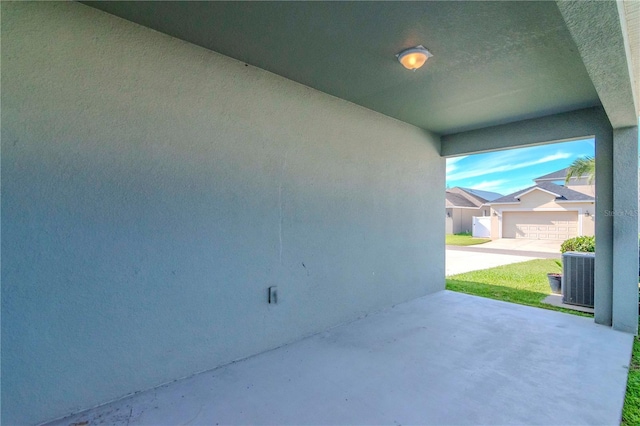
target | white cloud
[
  {"x": 497, "y": 165},
  {"x": 518, "y": 167},
  {"x": 491, "y": 185},
  {"x": 452, "y": 161}
]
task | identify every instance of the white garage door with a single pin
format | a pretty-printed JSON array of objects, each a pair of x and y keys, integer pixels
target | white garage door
[{"x": 540, "y": 225}]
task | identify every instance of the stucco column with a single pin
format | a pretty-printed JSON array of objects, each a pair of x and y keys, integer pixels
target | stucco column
[
  {"x": 603, "y": 297},
  {"x": 625, "y": 229}
]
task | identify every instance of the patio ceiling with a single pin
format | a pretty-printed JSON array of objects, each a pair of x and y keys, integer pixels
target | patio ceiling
[{"x": 493, "y": 63}]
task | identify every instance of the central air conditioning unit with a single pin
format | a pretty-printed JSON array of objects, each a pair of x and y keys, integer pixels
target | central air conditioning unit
[{"x": 578, "y": 278}]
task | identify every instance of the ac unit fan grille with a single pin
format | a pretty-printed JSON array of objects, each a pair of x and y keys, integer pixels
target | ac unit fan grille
[{"x": 578, "y": 278}]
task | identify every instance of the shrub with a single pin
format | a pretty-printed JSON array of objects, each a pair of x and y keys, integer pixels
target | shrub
[{"x": 581, "y": 244}]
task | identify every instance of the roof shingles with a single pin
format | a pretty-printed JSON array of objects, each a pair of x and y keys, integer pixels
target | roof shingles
[
  {"x": 565, "y": 194},
  {"x": 557, "y": 175},
  {"x": 457, "y": 200}
]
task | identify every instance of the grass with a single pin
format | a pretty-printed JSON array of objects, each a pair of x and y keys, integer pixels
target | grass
[
  {"x": 631, "y": 410},
  {"x": 464, "y": 240},
  {"x": 524, "y": 283}
]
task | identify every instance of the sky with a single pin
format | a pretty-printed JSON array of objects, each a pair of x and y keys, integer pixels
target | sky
[{"x": 511, "y": 170}]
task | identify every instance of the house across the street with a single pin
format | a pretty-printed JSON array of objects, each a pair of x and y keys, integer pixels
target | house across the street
[
  {"x": 463, "y": 204},
  {"x": 549, "y": 210}
]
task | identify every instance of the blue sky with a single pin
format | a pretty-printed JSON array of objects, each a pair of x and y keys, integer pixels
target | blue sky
[{"x": 511, "y": 170}]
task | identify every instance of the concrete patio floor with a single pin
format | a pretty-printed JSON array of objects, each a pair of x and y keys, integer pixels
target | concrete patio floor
[{"x": 444, "y": 359}]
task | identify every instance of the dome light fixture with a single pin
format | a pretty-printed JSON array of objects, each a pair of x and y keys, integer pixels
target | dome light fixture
[{"x": 414, "y": 57}]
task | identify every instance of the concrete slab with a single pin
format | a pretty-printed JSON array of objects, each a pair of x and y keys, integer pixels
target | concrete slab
[
  {"x": 518, "y": 244},
  {"x": 460, "y": 260},
  {"x": 447, "y": 358},
  {"x": 481, "y": 249},
  {"x": 556, "y": 300}
]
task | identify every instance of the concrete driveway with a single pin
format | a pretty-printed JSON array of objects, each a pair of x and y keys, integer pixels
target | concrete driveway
[
  {"x": 519, "y": 245},
  {"x": 459, "y": 261},
  {"x": 500, "y": 252}
]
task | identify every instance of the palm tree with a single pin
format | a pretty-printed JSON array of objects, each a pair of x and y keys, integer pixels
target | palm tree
[{"x": 582, "y": 167}]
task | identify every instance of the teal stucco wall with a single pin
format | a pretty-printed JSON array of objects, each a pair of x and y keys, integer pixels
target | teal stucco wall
[{"x": 153, "y": 190}]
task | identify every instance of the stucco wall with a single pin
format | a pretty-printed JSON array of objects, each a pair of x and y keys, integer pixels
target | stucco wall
[
  {"x": 153, "y": 191},
  {"x": 536, "y": 199},
  {"x": 449, "y": 222},
  {"x": 583, "y": 186},
  {"x": 496, "y": 223},
  {"x": 461, "y": 220},
  {"x": 588, "y": 222}
]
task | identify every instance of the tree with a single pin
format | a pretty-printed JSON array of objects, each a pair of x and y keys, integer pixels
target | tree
[{"x": 582, "y": 167}]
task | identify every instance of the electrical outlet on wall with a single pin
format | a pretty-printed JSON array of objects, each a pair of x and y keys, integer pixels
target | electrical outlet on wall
[{"x": 273, "y": 295}]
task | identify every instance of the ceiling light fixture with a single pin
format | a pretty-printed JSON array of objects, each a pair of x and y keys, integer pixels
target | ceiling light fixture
[{"x": 414, "y": 57}]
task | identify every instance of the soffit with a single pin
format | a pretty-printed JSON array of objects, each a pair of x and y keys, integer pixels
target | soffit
[{"x": 600, "y": 31}]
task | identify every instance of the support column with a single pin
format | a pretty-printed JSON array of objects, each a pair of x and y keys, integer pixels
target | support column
[
  {"x": 603, "y": 303},
  {"x": 625, "y": 229}
]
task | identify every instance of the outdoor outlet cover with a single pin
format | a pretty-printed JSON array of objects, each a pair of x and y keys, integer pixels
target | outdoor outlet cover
[{"x": 273, "y": 295}]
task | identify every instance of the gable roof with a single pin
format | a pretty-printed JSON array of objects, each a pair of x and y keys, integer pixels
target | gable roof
[
  {"x": 557, "y": 175},
  {"x": 538, "y": 188},
  {"x": 485, "y": 195},
  {"x": 562, "y": 193},
  {"x": 457, "y": 200},
  {"x": 473, "y": 197}
]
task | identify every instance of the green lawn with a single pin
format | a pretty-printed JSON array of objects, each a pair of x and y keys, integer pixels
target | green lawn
[
  {"x": 464, "y": 240},
  {"x": 524, "y": 283},
  {"x": 631, "y": 410}
]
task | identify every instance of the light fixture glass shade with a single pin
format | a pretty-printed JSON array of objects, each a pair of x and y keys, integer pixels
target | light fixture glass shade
[{"x": 413, "y": 58}]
